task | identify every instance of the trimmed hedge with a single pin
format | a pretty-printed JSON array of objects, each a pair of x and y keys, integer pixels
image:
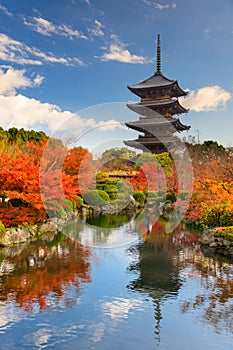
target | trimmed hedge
[
  {"x": 151, "y": 194},
  {"x": 139, "y": 197},
  {"x": 111, "y": 191},
  {"x": 96, "y": 198}
]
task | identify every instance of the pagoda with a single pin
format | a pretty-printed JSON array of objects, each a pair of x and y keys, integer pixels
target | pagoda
[{"x": 159, "y": 103}]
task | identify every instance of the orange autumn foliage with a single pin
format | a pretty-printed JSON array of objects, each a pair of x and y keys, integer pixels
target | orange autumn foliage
[
  {"x": 213, "y": 183},
  {"x": 148, "y": 177},
  {"x": 34, "y": 174}
]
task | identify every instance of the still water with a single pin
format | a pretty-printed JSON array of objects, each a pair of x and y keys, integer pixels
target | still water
[{"x": 115, "y": 282}]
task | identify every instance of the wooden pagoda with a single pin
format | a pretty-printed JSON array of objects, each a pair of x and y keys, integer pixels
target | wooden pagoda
[{"x": 159, "y": 103}]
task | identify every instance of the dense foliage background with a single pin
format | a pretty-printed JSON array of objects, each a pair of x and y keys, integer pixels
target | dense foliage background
[{"x": 27, "y": 197}]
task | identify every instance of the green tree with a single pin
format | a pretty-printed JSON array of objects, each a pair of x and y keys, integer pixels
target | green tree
[
  {"x": 123, "y": 153},
  {"x": 163, "y": 159}
]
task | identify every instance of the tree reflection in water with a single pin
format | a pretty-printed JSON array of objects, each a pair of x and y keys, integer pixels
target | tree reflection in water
[
  {"x": 104, "y": 230},
  {"x": 216, "y": 298},
  {"x": 164, "y": 261},
  {"x": 43, "y": 269}
]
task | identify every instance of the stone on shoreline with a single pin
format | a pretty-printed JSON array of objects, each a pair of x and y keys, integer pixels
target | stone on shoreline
[
  {"x": 218, "y": 239},
  {"x": 17, "y": 235}
]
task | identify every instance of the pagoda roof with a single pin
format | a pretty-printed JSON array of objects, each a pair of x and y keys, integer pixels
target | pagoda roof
[
  {"x": 153, "y": 148},
  {"x": 156, "y": 82},
  {"x": 151, "y": 143},
  {"x": 146, "y": 124},
  {"x": 171, "y": 107},
  {"x": 154, "y": 140}
]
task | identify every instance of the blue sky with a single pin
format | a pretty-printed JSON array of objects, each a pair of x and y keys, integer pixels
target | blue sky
[{"x": 63, "y": 60}]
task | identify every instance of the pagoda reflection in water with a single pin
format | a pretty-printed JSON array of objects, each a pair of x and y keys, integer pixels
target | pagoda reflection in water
[
  {"x": 156, "y": 268},
  {"x": 159, "y": 103}
]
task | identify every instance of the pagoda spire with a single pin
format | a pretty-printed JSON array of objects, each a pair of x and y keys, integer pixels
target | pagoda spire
[{"x": 158, "y": 57}]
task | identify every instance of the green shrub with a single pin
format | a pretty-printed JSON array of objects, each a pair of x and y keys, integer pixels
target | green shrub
[
  {"x": 110, "y": 188},
  {"x": 171, "y": 196},
  {"x": 111, "y": 191},
  {"x": 107, "y": 185},
  {"x": 226, "y": 218},
  {"x": 210, "y": 218},
  {"x": 226, "y": 233},
  {"x": 101, "y": 176},
  {"x": 2, "y": 228},
  {"x": 113, "y": 195},
  {"x": 110, "y": 182},
  {"x": 96, "y": 198},
  {"x": 151, "y": 194},
  {"x": 123, "y": 187},
  {"x": 122, "y": 198},
  {"x": 62, "y": 213},
  {"x": 100, "y": 186},
  {"x": 80, "y": 201},
  {"x": 139, "y": 197},
  {"x": 71, "y": 205},
  {"x": 182, "y": 195},
  {"x": 217, "y": 216}
]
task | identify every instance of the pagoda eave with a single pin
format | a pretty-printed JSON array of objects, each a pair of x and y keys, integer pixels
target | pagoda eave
[
  {"x": 151, "y": 125},
  {"x": 182, "y": 127},
  {"x": 154, "y": 147},
  {"x": 173, "y": 89},
  {"x": 163, "y": 107},
  {"x": 153, "y": 141}
]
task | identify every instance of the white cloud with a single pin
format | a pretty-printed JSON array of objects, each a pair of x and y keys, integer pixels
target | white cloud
[
  {"x": 5, "y": 10},
  {"x": 38, "y": 80},
  {"x": 13, "y": 79},
  {"x": 121, "y": 54},
  {"x": 24, "y": 112},
  {"x": 88, "y": 2},
  {"x": 47, "y": 28},
  {"x": 98, "y": 23},
  {"x": 15, "y": 51},
  {"x": 206, "y": 99},
  {"x": 159, "y": 6},
  {"x": 97, "y": 30},
  {"x": 120, "y": 307},
  {"x": 207, "y": 32}
]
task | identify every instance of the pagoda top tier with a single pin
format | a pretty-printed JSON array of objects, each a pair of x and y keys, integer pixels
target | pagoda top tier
[{"x": 157, "y": 84}]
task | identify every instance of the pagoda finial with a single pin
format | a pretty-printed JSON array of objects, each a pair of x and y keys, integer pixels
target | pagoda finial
[{"x": 158, "y": 56}]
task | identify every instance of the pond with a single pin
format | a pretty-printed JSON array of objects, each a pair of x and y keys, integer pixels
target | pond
[{"x": 115, "y": 282}]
